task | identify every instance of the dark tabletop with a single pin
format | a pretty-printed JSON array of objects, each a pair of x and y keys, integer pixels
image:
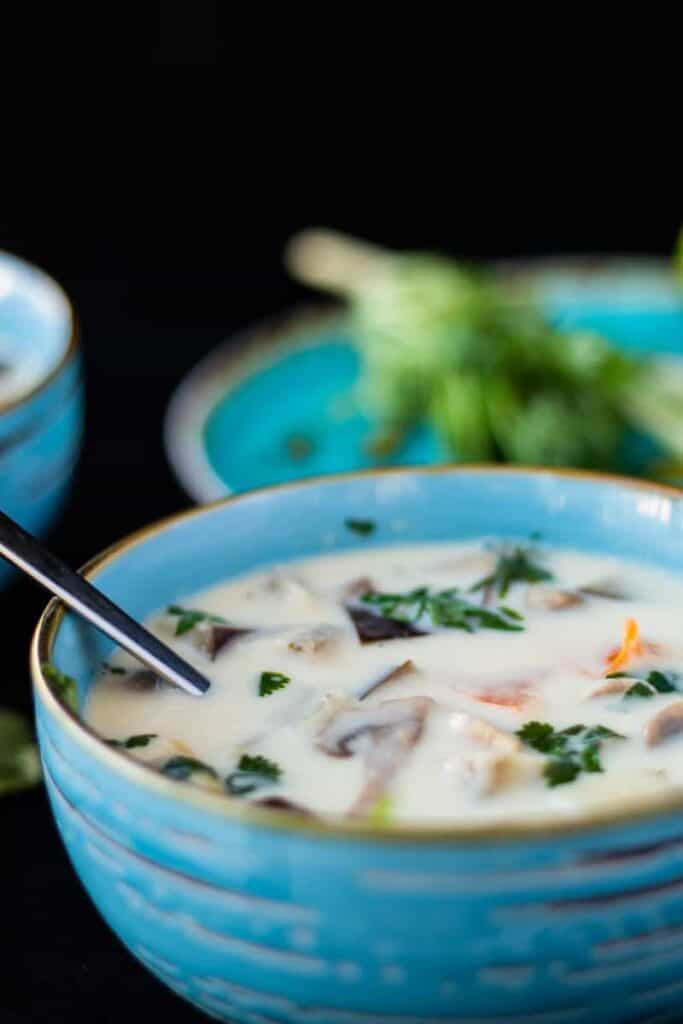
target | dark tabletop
[{"x": 157, "y": 282}]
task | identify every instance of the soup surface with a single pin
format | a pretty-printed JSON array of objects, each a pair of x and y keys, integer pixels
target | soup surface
[{"x": 440, "y": 684}]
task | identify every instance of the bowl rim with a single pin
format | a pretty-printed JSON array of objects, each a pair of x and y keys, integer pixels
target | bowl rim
[
  {"x": 524, "y": 828},
  {"x": 218, "y": 374},
  {"x": 70, "y": 348}
]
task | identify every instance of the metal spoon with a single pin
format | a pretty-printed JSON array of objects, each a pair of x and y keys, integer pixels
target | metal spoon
[{"x": 27, "y": 554}]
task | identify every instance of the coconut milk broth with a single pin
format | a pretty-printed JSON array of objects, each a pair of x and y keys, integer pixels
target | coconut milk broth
[{"x": 446, "y": 749}]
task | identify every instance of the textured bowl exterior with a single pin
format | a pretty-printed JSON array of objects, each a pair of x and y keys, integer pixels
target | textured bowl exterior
[
  {"x": 256, "y": 919},
  {"x": 39, "y": 434}
]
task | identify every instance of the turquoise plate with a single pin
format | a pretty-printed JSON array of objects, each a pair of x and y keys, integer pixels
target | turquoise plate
[{"x": 277, "y": 404}]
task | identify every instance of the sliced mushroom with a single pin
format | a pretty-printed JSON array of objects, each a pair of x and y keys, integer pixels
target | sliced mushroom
[
  {"x": 610, "y": 590},
  {"x": 387, "y": 749},
  {"x": 213, "y": 637},
  {"x": 541, "y": 597},
  {"x": 666, "y": 723},
  {"x": 356, "y": 588},
  {"x": 317, "y": 640},
  {"x": 399, "y": 672},
  {"x": 350, "y": 726},
  {"x": 143, "y": 679},
  {"x": 373, "y": 628},
  {"x": 280, "y": 803}
]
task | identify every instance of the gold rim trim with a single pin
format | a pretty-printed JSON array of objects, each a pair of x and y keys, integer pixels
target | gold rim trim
[
  {"x": 224, "y": 806},
  {"x": 70, "y": 348}
]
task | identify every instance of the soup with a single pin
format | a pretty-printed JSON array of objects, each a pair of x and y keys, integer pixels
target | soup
[{"x": 449, "y": 683}]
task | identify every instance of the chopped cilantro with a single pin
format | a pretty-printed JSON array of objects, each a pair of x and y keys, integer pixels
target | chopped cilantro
[
  {"x": 140, "y": 740},
  {"x": 570, "y": 751},
  {"x": 63, "y": 686},
  {"x": 253, "y": 771},
  {"x": 188, "y": 618},
  {"x": 181, "y": 768},
  {"x": 514, "y": 565},
  {"x": 649, "y": 685},
  {"x": 640, "y": 689},
  {"x": 272, "y": 681},
  {"x": 445, "y": 608},
  {"x": 361, "y": 526}
]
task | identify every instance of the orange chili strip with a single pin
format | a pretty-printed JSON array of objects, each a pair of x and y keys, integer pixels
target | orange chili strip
[
  {"x": 630, "y": 648},
  {"x": 516, "y": 697}
]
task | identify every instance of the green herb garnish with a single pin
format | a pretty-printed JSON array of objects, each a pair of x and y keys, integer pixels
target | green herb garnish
[
  {"x": 382, "y": 812},
  {"x": 272, "y": 681},
  {"x": 63, "y": 686},
  {"x": 19, "y": 761},
  {"x": 650, "y": 685},
  {"x": 181, "y": 768},
  {"x": 188, "y": 618},
  {"x": 569, "y": 751},
  {"x": 445, "y": 608},
  {"x": 253, "y": 771},
  {"x": 361, "y": 526},
  {"x": 115, "y": 670},
  {"x": 140, "y": 740},
  {"x": 514, "y": 565}
]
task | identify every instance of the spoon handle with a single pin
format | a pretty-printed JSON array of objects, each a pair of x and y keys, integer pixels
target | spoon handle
[{"x": 24, "y": 551}]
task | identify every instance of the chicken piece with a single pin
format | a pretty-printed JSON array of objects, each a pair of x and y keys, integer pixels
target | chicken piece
[
  {"x": 316, "y": 640},
  {"x": 666, "y": 723}
]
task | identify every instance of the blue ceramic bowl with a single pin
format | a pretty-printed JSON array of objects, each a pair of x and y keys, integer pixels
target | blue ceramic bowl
[
  {"x": 259, "y": 917},
  {"x": 40, "y": 426}
]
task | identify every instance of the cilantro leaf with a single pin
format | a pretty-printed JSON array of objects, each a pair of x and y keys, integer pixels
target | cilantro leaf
[
  {"x": 253, "y": 771},
  {"x": 650, "y": 685},
  {"x": 272, "y": 681},
  {"x": 188, "y": 618},
  {"x": 63, "y": 686},
  {"x": 640, "y": 689},
  {"x": 514, "y": 565},
  {"x": 444, "y": 608},
  {"x": 569, "y": 751},
  {"x": 140, "y": 740},
  {"x": 363, "y": 527}
]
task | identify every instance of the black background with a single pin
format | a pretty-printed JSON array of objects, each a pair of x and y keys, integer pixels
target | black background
[{"x": 167, "y": 242}]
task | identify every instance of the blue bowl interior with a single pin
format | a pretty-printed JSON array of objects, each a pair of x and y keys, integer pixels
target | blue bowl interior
[
  {"x": 308, "y": 390},
  {"x": 35, "y": 319},
  {"x": 594, "y": 514}
]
